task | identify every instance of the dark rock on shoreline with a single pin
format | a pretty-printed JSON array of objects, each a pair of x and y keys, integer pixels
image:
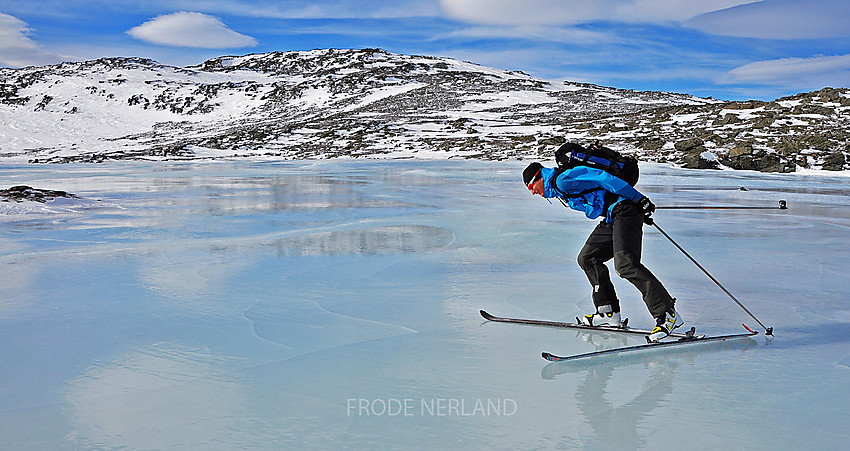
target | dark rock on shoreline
[{"x": 21, "y": 193}]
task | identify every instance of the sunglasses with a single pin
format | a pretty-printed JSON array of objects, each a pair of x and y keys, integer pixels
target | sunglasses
[{"x": 533, "y": 180}]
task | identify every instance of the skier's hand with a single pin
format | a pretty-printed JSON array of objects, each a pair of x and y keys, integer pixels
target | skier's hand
[{"x": 647, "y": 207}]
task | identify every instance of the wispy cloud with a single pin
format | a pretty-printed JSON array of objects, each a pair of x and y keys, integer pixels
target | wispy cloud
[
  {"x": 796, "y": 73},
  {"x": 190, "y": 29},
  {"x": 545, "y": 33},
  {"x": 313, "y": 9},
  {"x": 269, "y": 9},
  {"x": 16, "y": 47},
  {"x": 779, "y": 19},
  {"x": 512, "y": 12}
]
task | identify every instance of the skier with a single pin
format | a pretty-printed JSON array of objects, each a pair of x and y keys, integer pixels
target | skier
[{"x": 597, "y": 193}]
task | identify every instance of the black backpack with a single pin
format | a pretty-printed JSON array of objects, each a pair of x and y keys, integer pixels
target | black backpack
[{"x": 597, "y": 156}]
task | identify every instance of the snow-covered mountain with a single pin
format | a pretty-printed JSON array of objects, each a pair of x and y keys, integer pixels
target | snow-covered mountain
[{"x": 371, "y": 103}]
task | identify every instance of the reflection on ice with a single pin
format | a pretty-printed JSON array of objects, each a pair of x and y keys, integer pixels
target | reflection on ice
[
  {"x": 402, "y": 239},
  {"x": 162, "y": 393},
  {"x": 555, "y": 369},
  {"x": 621, "y": 426}
]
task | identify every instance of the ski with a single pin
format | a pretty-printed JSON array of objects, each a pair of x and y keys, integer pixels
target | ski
[
  {"x": 661, "y": 344},
  {"x": 577, "y": 325}
]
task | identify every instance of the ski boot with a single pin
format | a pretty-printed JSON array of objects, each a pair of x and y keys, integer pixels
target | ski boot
[
  {"x": 664, "y": 326},
  {"x": 604, "y": 316}
]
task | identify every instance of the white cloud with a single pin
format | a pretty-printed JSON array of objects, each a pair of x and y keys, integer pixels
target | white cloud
[
  {"x": 796, "y": 73},
  {"x": 779, "y": 19},
  {"x": 190, "y": 29},
  {"x": 17, "y": 49},
  {"x": 556, "y": 12}
]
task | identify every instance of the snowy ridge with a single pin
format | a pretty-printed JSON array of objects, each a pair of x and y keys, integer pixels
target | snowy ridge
[{"x": 371, "y": 103}]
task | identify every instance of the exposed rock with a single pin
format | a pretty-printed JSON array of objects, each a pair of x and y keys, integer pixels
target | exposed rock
[
  {"x": 555, "y": 141},
  {"x": 744, "y": 149},
  {"x": 787, "y": 146},
  {"x": 689, "y": 144},
  {"x": 748, "y": 105},
  {"x": 21, "y": 193},
  {"x": 696, "y": 159},
  {"x": 818, "y": 142},
  {"x": 652, "y": 143},
  {"x": 829, "y": 95},
  {"x": 764, "y": 121},
  {"x": 758, "y": 161},
  {"x": 814, "y": 109},
  {"x": 694, "y": 154},
  {"x": 728, "y": 119},
  {"x": 834, "y": 161}
]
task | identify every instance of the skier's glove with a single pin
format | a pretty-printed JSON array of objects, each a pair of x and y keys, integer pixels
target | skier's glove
[{"x": 647, "y": 207}]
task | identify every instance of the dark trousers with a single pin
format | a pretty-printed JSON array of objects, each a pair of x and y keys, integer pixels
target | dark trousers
[{"x": 621, "y": 240}]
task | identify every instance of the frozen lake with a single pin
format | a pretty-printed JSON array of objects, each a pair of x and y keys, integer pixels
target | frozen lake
[{"x": 334, "y": 305}]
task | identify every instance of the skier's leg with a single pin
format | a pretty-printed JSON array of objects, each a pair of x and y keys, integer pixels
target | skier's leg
[
  {"x": 596, "y": 251},
  {"x": 627, "y": 236}
]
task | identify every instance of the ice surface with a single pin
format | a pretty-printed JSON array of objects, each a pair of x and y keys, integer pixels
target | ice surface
[{"x": 335, "y": 305}]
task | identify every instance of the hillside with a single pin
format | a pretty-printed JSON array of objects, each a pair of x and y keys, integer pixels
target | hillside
[{"x": 375, "y": 104}]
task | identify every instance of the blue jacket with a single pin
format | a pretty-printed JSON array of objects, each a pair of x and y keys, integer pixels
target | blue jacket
[{"x": 593, "y": 183}]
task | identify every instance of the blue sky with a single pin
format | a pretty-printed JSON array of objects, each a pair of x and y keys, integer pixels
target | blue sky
[{"x": 727, "y": 49}]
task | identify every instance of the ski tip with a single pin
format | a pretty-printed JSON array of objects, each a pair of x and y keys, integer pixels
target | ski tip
[
  {"x": 753, "y": 331},
  {"x": 552, "y": 357},
  {"x": 485, "y": 314}
]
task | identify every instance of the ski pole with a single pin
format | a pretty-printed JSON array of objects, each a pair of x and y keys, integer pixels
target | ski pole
[
  {"x": 782, "y": 206},
  {"x": 767, "y": 330}
]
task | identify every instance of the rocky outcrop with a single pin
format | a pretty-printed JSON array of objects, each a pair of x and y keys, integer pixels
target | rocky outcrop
[
  {"x": 808, "y": 130},
  {"x": 695, "y": 155},
  {"x": 22, "y": 193}
]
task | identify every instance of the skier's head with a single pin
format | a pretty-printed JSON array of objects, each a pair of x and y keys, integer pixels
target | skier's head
[
  {"x": 532, "y": 173},
  {"x": 533, "y": 179}
]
